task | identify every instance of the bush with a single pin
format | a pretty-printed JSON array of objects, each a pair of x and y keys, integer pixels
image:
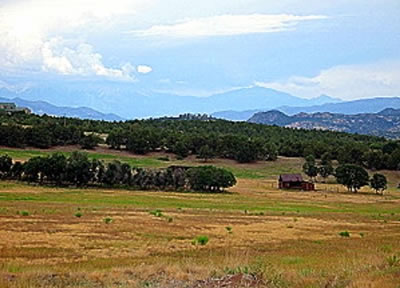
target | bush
[
  {"x": 344, "y": 234},
  {"x": 200, "y": 240},
  {"x": 156, "y": 213},
  {"x": 393, "y": 261},
  {"x": 78, "y": 214},
  {"x": 108, "y": 220},
  {"x": 24, "y": 213}
]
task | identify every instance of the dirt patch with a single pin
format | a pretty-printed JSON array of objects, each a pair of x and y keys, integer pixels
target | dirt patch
[{"x": 231, "y": 281}]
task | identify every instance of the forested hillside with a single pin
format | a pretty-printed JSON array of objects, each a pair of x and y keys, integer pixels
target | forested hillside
[{"x": 206, "y": 138}]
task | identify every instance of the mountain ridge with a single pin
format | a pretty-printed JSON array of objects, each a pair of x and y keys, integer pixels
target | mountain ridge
[
  {"x": 43, "y": 107},
  {"x": 385, "y": 123},
  {"x": 134, "y": 101},
  {"x": 370, "y": 105}
]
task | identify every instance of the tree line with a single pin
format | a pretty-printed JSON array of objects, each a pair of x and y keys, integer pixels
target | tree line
[
  {"x": 79, "y": 170},
  {"x": 202, "y": 136},
  {"x": 45, "y": 136}
]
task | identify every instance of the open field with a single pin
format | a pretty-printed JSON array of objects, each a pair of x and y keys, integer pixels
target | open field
[{"x": 286, "y": 238}]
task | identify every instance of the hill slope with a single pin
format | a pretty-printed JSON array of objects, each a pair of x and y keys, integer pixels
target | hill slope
[{"x": 385, "y": 123}]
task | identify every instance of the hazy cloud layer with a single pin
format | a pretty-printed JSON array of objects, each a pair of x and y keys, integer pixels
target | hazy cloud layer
[
  {"x": 227, "y": 25},
  {"x": 347, "y": 82}
]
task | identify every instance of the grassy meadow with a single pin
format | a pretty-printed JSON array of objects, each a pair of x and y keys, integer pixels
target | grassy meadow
[{"x": 253, "y": 234}]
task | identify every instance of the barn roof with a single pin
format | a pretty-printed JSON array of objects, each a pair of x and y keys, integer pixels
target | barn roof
[{"x": 291, "y": 178}]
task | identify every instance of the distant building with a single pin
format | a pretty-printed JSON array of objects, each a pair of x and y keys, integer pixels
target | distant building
[
  {"x": 295, "y": 181},
  {"x": 11, "y": 108}
]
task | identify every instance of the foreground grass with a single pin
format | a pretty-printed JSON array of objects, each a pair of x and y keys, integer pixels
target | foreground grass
[
  {"x": 59, "y": 237},
  {"x": 286, "y": 237}
]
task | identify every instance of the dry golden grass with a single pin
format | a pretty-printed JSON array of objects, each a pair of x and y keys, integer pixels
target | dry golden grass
[{"x": 289, "y": 238}]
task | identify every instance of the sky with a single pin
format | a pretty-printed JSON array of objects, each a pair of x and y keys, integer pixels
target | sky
[{"x": 349, "y": 49}]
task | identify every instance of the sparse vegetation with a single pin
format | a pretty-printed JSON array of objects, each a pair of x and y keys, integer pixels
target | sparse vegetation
[
  {"x": 344, "y": 234},
  {"x": 200, "y": 240},
  {"x": 156, "y": 213},
  {"x": 24, "y": 213},
  {"x": 393, "y": 260},
  {"x": 108, "y": 220}
]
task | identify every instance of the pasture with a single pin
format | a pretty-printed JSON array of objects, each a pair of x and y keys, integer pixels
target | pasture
[{"x": 257, "y": 235}]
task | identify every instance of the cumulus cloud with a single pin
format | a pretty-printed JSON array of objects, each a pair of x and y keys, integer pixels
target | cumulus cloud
[
  {"x": 144, "y": 69},
  {"x": 346, "y": 82},
  {"x": 28, "y": 30},
  {"x": 79, "y": 60},
  {"x": 226, "y": 25}
]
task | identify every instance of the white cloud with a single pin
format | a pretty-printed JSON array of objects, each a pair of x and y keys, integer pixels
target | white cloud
[
  {"x": 79, "y": 60},
  {"x": 346, "y": 82},
  {"x": 28, "y": 30},
  {"x": 226, "y": 25},
  {"x": 144, "y": 69}
]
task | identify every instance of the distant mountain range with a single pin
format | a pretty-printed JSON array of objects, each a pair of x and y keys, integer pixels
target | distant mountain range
[
  {"x": 132, "y": 101},
  {"x": 372, "y": 105},
  {"x": 385, "y": 123},
  {"x": 42, "y": 107}
]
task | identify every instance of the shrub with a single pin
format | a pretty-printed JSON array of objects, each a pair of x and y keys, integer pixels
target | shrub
[
  {"x": 108, "y": 220},
  {"x": 157, "y": 213},
  {"x": 229, "y": 229},
  {"x": 200, "y": 240},
  {"x": 393, "y": 261},
  {"x": 24, "y": 213},
  {"x": 344, "y": 234},
  {"x": 78, "y": 214}
]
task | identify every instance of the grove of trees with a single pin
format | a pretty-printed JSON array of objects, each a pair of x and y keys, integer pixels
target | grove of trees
[{"x": 79, "y": 170}]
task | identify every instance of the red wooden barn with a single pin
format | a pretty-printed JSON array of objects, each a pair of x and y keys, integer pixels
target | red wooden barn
[{"x": 295, "y": 181}]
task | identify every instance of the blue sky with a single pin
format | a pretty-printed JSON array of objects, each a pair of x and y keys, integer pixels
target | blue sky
[{"x": 346, "y": 49}]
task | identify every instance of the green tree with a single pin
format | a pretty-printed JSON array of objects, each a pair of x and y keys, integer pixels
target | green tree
[
  {"x": 32, "y": 169},
  {"x": 378, "y": 182},
  {"x": 326, "y": 168},
  {"x": 309, "y": 168},
  {"x": 56, "y": 166},
  {"x": 16, "y": 170},
  {"x": 5, "y": 166},
  {"x": 352, "y": 176},
  {"x": 78, "y": 170},
  {"x": 374, "y": 160},
  {"x": 210, "y": 178},
  {"x": 206, "y": 153},
  {"x": 90, "y": 142},
  {"x": 181, "y": 149}
]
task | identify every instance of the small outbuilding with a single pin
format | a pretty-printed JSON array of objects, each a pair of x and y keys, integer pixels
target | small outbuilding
[{"x": 295, "y": 181}]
